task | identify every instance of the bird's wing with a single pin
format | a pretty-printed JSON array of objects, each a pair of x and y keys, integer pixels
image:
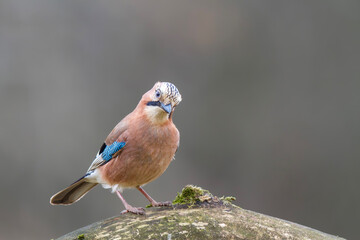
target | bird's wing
[
  {"x": 119, "y": 129},
  {"x": 105, "y": 154},
  {"x": 112, "y": 145}
]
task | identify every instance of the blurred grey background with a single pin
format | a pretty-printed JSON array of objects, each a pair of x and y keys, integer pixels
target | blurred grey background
[{"x": 270, "y": 111}]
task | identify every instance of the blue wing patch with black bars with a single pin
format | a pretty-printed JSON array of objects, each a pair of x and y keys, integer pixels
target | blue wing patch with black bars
[{"x": 110, "y": 150}]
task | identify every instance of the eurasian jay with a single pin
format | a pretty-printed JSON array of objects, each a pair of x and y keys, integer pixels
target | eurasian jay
[{"x": 138, "y": 150}]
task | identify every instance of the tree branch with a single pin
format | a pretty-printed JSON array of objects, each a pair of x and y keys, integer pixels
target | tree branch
[{"x": 197, "y": 215}]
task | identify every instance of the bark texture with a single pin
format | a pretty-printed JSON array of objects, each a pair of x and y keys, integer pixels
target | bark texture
[{"x": 208, "y": 218}]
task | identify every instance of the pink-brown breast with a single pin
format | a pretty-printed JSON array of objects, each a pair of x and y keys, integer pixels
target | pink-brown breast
[{"x": 148, "y": 152}]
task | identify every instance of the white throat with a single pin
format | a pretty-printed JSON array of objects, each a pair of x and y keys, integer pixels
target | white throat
[{"x": 156, "y": 115}]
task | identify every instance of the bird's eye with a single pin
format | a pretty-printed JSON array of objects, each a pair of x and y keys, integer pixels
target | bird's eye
[{"x": 157, "y": 94}]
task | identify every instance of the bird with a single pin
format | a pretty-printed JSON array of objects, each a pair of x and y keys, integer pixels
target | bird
[{"x": 137, "y": 151}]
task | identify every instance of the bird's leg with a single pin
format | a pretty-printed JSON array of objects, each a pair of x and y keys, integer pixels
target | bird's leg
[
  {"x": 152, "y": 201},
  {"x": 130, "y": 208}
]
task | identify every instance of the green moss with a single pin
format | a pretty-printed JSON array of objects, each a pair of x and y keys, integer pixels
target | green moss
[
  {"x": 81, "y": 236},
  {"x": 148, "y": 206},
  {"x": 190, "y": 195},
  {"x": 227, "y": 199}
]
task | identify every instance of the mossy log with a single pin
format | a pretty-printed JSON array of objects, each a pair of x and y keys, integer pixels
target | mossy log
[{"x": 200, "y": 216}]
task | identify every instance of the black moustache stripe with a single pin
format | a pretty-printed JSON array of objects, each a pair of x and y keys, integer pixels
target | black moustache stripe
[{"x": 153, "y": 103}]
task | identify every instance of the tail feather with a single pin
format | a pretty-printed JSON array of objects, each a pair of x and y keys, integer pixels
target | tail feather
[{"x": 73, "y": 193}]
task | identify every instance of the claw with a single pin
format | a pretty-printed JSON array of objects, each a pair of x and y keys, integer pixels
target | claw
[
  {"x": 152, "y": 201},
  {"x": 134, "y": 210},
  {"x": 129, "y": 208}
]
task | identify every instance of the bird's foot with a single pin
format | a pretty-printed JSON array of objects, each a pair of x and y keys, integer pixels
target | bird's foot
[
  {"x": 134, "y": 210},
  {"x": 161, "y": 204}
]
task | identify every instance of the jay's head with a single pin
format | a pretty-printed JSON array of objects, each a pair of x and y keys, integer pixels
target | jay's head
[{"x": 160, "y": 101}]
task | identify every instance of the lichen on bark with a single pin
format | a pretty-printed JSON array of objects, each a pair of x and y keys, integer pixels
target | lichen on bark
[{"x": 203, "y": 216}]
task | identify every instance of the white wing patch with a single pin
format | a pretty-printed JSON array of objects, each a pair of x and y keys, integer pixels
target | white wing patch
[{"x": 96, "y": 163}]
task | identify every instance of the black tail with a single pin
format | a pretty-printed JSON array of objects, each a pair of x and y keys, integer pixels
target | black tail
[{"x": 73, "y": 193}]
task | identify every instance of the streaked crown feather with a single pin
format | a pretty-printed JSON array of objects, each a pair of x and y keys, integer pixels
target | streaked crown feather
[{"x": 170, "y": 92}]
